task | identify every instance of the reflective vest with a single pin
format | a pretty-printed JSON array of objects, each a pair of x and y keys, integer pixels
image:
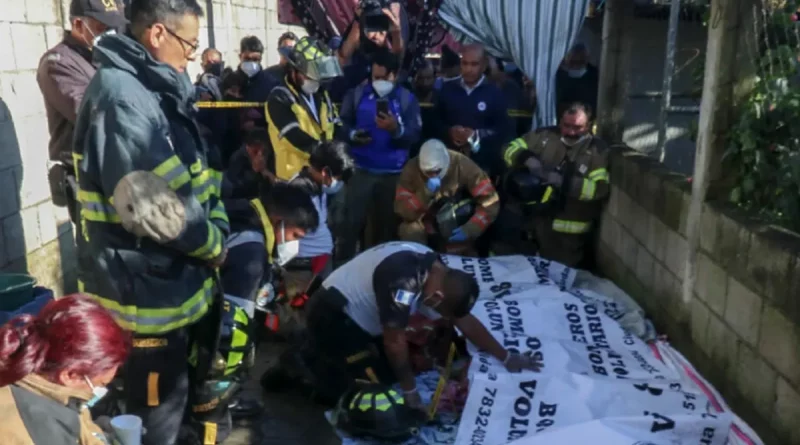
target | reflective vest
[{"x": 266, "y": 225}]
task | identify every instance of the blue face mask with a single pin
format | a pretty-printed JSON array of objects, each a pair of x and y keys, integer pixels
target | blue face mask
[
  {"x": 98, "y": 392},
  {"x": 334, "y": 188},
  {"x": 434, "y": 183}
]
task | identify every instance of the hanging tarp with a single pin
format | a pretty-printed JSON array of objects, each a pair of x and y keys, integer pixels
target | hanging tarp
[{"x": 535, "y": 34}]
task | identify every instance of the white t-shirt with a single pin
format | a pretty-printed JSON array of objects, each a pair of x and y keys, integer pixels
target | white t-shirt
[
  {"x": 383, "y": 285},
  {"x": 320, "y": 242}
]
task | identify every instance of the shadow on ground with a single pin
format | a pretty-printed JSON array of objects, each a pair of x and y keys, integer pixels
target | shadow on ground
[{"x": 289, "y": 418}]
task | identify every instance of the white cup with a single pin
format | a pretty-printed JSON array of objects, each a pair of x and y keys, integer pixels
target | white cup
[{"x": 127, "y": 429}]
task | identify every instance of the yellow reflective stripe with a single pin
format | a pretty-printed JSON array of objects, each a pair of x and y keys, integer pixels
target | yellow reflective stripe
[
  {"x": 216, "y": 176},
  {"x": 600, "y": 174},
  {"x": 269, "y": 233},
  {"x": 239, "y": 339},
  {"x": 514, "y": 148},
  {"x": 95, "y": 207},
  {"x": 158, "y": 321},
  {"x": 588, "y": 190},
  {"x": 213, "y": 246},
  {"x": 174, "y": 172},
  {"x": 218, "y": 212},
  {"x": 203, "y": 186},
  {"x": 571, "y": 227}
]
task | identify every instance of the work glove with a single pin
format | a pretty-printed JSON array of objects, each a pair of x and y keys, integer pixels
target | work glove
[
  {"x": 555, "y": 179},
  {"x": 516, "y": 362},
  {"x": 458, "y": 236},
  {"x": 534, "y": 165}
]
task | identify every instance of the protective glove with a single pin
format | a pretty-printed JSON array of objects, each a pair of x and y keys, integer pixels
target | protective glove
[
  {"x": 534, "y": 165},
  {"x": 516, "y": 362},
  {"x": 458, "y": 235},
  {"x": 555, "y": 179}
]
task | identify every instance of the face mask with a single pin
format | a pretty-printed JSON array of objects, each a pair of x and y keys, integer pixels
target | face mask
[
  {"x": 433, "y": 184},
  {"x": 251, "y": 68},
  {"x": 576, "y": 74},
  {"x": 573, "y": 141},
  {"x": 310, "y": 86},
  {"x": 382, "y": 87},
  {"x": 334, "y": 188},
  {"x": 286, "y": 251},
  {"x": 98, "y": 392},
  {"x": 216, "y": 69}
]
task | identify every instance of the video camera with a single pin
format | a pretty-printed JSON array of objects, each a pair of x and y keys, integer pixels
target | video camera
[{"x": 372, "y": 17}]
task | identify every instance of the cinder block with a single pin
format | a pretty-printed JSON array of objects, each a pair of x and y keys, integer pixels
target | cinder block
[
  {"x": 10, "y": 156},
  {"x": 644, "y": 268},
  {"x": 45, "y": 264},
  {"x": 711, "y": 284},
  {"x": 699, "y": 324},
  {"x": 13, "y": 11},
  {"x": 756, "y": 380},
  {"x": 743, "y": 311},
  {"x": 13, "y": 237},
  {"x": 7, "y": 60},
  {"x": 732, "y": 245},
  {"x": 24, "y": 98},
  {"x": 625, "y": 203},
  {"x": 639, "y": 216},
  {"x": 657, "y": 238},
  {"x": 768, "y": 264},
  {"x": 723, "y": 346},
  {"x": 787, "y": 411},
  {"x": 779, "y": 342},
  {"x": 709, "y": 229},
  {"x": 53, "y": 35},
  {"x": 42, "y": 11},
  {"x": 30, "y": 227},
  {"x": 609, "y": 232},
  {"x": 9, "y": 199},
  {"x": 29, "y": 44},
  {"x": 676, "y": 253},
  {"x": 629, "y": 247},
  {"x": 791, "y": 303},
  {"x": 47, "y": 222},
  {"x": 612, "y": 206}
]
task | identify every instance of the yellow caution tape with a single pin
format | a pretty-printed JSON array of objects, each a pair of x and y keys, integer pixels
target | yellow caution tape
[
  {"x": 442, "y": 382},
  {"x": 225, "y": 104}
]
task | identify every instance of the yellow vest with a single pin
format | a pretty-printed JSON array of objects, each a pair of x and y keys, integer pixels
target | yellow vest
[{"x": 269, "y": 231}]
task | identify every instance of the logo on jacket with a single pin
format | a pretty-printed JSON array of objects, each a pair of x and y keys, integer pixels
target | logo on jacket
[
  {"x": 481, "y": 106},
  {"x": 110, "y": 5}
]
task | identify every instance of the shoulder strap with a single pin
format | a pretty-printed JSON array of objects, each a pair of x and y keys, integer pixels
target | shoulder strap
[
  {"x": 405, "y": 100},
  {"x": 358, "y": 93}
]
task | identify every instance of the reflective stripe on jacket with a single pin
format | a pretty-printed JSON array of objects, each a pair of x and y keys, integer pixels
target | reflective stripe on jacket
[
  {"x": 293, "y": 128},
  {"x": 137, "y": 115}
]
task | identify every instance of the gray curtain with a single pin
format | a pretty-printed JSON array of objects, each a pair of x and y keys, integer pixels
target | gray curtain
[{"x": 535, "y": 34}]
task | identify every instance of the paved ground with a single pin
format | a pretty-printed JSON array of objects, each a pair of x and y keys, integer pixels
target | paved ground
[{"x": 289, "y": 418}]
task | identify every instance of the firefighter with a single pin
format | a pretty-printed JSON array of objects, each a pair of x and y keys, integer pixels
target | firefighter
[
  {"x": 152, "y": 222},
  {"x": 299, "y": 111},
  {"x": 439, "y": 174},
  {"x": 575, "y": 163}
]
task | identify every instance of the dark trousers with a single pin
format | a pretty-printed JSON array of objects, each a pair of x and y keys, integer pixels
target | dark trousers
[
  {"x": 369, "y": 197},
  {"x": 338, "y": 351}
]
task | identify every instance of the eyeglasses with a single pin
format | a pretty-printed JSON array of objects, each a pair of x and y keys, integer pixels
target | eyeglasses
[{"x": 192, "y": 50}]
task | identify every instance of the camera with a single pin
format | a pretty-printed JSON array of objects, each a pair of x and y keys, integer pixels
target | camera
[{"x": 372, "y": 17}]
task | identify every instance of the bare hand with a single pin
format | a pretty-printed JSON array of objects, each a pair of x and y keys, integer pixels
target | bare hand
[
  {"x": 413, "y": 400},
  {"x": 515, "y": 362},
  {"x": 394, "y": 19},
  {"x": 386, "y": 122}
]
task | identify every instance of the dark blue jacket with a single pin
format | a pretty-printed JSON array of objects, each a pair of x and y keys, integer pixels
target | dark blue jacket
[
  {"x": 386, "y": 153},
  {"x": 484, "y": 110}
]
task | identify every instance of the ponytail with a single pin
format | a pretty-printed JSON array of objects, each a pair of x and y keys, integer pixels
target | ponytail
[{"x": 22, "y": 350}]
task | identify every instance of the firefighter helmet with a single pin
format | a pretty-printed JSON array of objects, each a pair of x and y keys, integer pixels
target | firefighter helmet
[
  {"x": 313, "y": 59},
  {"x": 528, "y": 189},
  {"x": 377, "y": 411},
  {"x": 452, "y": 214}
]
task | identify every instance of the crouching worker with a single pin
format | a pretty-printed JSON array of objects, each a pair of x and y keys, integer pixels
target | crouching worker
[
  {"x": 357, "y": 321},
  {"x": 444, "y": 199},
  {"x": 53, "y": 367},
  {"x": 330, "y": 166},
  {"x": 251, "y": 168}
]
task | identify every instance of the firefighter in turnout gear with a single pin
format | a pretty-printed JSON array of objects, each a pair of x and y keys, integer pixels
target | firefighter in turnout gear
[
  {"x": 299, "y": 112},
  {"x": 436, "y": 174},
  {"x": 575, "y": 163},
  {"x": 153, "y": 225}
]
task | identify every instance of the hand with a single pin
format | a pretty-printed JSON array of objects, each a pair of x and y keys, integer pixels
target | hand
[
  {"x": 386, "y": 122},
  {"x": 534, "y": 165},
  {"x": 413, "y": 400},
  {"x": 219, "y": 260},
  {"x": 458, "y": 236},
  {"x": 456, "y": 135},
  {"x": 394, "y": 20},
  {"x": 205, "y": 96},
  {"x": 554, "y": 179},
  {"x": 515, "y": 362}
]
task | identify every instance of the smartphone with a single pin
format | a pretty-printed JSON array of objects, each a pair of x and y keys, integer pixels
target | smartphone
[{"x": 383, "y": 106}]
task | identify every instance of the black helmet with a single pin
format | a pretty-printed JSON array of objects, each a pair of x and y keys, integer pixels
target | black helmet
[
  {"x": 452, "y": 214},
  {"x": 529, "y": 190},
  {"x": 236, "y": 350},
  {"x": 377, "y": 411}
]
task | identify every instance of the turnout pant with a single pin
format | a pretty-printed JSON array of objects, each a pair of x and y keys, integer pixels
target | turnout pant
[
  {"x": 338, "y": 351},
  {"x": 565, "y": 248}
]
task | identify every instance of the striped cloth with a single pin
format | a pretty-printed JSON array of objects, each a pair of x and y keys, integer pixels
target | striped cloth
[{"x": 535, "y": 34}]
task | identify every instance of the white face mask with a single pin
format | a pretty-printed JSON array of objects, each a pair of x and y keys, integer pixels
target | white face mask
[
  {"x": 98, "y": 392},
  {"x": 286, "y": 251},
  {"x": 334, "y": 188},
  {"x": 571, "y": 142},
  {"x": 382, "y": 87},
  {"x": 251, "y": 68},
  {"x": 576, "y": 74},
  {"x": 310, "y": 86}
]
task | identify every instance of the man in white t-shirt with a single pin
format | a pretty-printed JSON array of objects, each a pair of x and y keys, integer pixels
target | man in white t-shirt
[{"x": 357, "y": 321}]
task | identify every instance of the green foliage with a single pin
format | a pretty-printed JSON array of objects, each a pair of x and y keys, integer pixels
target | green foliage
[{"x": 764, "y": 143}]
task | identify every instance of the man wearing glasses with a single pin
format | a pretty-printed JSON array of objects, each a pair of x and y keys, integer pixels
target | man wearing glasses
[{"x": 153, "y": 223}]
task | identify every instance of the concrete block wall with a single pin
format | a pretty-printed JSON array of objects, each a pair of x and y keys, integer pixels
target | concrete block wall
[
  {"x": 35, "y": 236},
  {"x": 742, "y": 326}
]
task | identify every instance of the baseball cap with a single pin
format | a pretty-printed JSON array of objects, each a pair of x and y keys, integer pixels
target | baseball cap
[{"x": 107, "y": 12}]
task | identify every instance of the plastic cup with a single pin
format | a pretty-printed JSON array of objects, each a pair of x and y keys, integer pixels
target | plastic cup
[{"x": 127, "y": 429}]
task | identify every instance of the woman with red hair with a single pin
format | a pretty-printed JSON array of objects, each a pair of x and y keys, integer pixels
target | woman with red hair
[{"x": 53, "y": 367}]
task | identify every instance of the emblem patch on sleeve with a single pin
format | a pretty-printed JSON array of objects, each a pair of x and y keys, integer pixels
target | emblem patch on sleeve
[{"x": 404, "y": 297}]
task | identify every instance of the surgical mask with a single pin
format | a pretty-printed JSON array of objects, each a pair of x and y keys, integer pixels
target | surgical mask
[
  {"x": 286, "y": 250},
  {"x": 98, "y": 392},
  {"x": 573, "y": 141},
  {"x": 215, "y": 69},
  {"x": 310, "y": 86},
  {"x": 251, "y": 68},
  {"x": 334, "y": 188},
  {"x": 382, "y": 87},
  {"x": 576, "y": 74},
  {"x": 433, "y": 184}
]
